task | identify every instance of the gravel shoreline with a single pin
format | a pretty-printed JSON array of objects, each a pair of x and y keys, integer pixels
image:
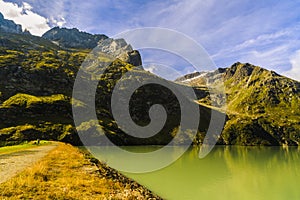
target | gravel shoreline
[{"x": 132, "y": 187}]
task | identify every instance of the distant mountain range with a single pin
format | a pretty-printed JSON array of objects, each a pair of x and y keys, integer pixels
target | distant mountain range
[{"x": 37, "y": 76}]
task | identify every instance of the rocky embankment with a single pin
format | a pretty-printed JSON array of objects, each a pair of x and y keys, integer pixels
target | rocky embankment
[{"x": 139, "y": 191}]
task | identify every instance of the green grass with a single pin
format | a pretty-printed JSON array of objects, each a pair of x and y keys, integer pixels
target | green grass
[
  {"x": 26, "y": 100},
  {"x": 16, "y": 148}
]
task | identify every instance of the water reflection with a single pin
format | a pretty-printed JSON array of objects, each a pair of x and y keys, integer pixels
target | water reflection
[{"x": 228, "y": 172}]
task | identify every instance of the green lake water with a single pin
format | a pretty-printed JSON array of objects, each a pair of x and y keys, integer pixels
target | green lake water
[{"x": 228, "y": 172}]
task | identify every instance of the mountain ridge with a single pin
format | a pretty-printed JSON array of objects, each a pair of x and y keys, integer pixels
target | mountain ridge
[
  {"x": 259, "y": 97},
  {"x": 73, "y": 38},
  {"x": 37, "y": 78},
  {"x": 10, "y": 26}
]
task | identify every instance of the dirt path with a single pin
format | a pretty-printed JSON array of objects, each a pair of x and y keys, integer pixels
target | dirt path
[{"x": 13, "y": 163}]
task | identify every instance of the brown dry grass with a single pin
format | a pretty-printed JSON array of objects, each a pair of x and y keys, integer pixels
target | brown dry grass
[{"x": 63, "y": 174}]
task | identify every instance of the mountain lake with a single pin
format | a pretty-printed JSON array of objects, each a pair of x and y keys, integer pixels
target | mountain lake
[{"x": 227, "y": 172}]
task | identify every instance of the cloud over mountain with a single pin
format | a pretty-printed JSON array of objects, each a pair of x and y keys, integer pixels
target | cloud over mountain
[{"x": 24, "y": 15}]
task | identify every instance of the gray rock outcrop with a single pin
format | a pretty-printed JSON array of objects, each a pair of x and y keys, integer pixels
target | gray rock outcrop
[{"x": 9, "y": 25}]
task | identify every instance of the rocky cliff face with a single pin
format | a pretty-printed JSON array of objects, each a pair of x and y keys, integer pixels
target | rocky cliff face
[
  {"x": 10, "y": 26},
  {"x": 73, "y": 38},
  {"x": 132, "y": 57},
  {"x": 119, "y": 48}
]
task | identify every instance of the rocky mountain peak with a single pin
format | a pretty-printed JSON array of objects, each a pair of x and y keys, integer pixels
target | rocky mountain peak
[
  {"x": 120, "y": 49},
  {"x": 73, "y": 38},
  {"x": 10, "y": 26},
  {"x": 132, "y": 57},
  {"x": 114, "y": 47},
  {"x": 239, "y": 71}
]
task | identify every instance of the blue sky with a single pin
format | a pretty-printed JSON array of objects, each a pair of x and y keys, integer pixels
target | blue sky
[{"x": 264, "y": 33}]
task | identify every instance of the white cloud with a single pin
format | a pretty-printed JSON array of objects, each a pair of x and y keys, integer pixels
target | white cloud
[
  {"x": 61, "y": 22},
  {"x": 150, "y": 68},
  {"x": 36, "y": 24},
  {"x": 57, "y": 22},
  {"x": 294, "y": 72},
  {"x": 27, "y": 6}
]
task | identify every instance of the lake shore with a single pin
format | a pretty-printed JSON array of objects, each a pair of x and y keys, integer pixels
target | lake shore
[
  {"x": 104, "y": 171},
  {"x": 68, "y": 173}
]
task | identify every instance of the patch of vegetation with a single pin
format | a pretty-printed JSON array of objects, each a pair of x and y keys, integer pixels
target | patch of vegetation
[
  {"x": 26, "y": 145},
  {"x": 65, "y": 174},
  {"x": 26, "y": 100},
  {"x": 43, "y": 131},
  {"x": 24, "y": 43}
]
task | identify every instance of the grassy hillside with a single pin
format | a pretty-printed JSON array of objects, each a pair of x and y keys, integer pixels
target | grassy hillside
[
  {"x": 36, "y": 83},
  {"x": 268, "y": 99},
  {"x": 261, "y": 105},
  {"x": 24, "y": 43}
]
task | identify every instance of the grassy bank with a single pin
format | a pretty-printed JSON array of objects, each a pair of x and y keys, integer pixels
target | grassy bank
[
  {"x": 64, "y": 173},
  {"x": 16, "y": 148}
]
